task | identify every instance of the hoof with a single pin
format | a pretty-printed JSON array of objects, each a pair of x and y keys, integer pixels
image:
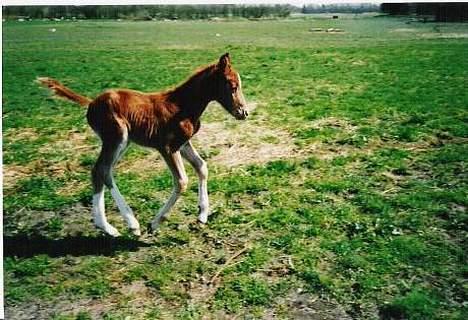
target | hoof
[
  {"x": 149, "y": 228},
  {"x": 203, "y": 218},
  {"x": 154, "y": 225},
  {"x": 199, "y": 226},
  {"x": 109, "y": 230},
  {"x": 136, "y": 232},
  {"x": 114, "y": 234}
]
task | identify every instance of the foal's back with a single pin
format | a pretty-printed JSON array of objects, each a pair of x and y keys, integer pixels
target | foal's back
[{"x": 124, "y": 112}]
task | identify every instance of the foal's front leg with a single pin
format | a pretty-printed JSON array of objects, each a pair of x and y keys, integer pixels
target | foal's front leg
[
  {"x": 192, "y": 156},
  {"x": 180, "y": 179}
]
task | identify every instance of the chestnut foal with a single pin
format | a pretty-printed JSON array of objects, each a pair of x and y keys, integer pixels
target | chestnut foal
[{"x": 165, "y": 121}]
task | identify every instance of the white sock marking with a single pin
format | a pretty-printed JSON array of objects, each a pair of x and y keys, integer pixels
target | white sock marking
[
  {"x": 99, "y": 215},
  {"x": 200, "y": 167},
  {"x": 124, "y": 209}
]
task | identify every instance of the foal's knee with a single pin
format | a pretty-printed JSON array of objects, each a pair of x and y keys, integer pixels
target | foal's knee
[
  {"x": 97, "y": 179},
  {"x": 101, "y": 174},
  {"x": 203, "y": 170}
]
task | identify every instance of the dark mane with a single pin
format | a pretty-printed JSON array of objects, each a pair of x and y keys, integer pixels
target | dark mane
[{"x": 195, "y": 77}]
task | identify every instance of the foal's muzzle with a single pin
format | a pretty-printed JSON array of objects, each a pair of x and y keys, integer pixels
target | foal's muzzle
[{"x": 241, "y": 114}]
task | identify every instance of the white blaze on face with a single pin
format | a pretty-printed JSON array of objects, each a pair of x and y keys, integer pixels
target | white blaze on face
[{"x": 240, "y": 95}]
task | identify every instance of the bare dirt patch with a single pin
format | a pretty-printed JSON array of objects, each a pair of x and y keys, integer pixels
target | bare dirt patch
[
  {"x": 95, "y": 308},
  {"x": 248, "y": 143},
  {"x": 46, "y": 310},
  {"x": 73, "y": 219},
  {"x": 311, "y": 307},
  {"x": 136, "y": 288},
  {"x": 201, "y": 292},
  {"x": 256, "y": 143}
]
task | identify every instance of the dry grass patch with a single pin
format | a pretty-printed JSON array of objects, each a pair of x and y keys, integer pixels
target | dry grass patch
[
  {"x": 73, "y": 142},
  {"x": 450, "y": 35},
  {"x": 143, "y": 165},
  {"x": 13, "y": 173},
  {"x": 18, "y": 134},
  {"x": 328, "y": 151},
  {"x": 404, "y": 30},
  {"x": 70, "y": 145},
  {"x": 71, "y": 187},
  {"x": 245, "y": 143},
  {"x": 336, "y": 89},
  {"x": 256, "y": 143},
  {"x": 334, "y": 122}
]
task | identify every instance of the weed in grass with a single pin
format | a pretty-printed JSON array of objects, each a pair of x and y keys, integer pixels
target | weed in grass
[
  {"x": 38, "y": 265},
  {"x": 94, "y": 289},
  {"x": 83, "y": 315},
  {"x": 417, "y": 304},
  {"x": 242, "y": 291}
]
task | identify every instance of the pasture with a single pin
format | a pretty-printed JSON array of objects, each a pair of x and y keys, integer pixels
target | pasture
[{"x": 343, "y": 196}]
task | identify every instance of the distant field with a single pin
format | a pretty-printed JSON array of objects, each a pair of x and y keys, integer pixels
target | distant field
[{"x": 342, "y": 197}]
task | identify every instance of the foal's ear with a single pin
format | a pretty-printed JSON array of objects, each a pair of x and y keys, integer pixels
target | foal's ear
[{"x": 224, "y": 61}]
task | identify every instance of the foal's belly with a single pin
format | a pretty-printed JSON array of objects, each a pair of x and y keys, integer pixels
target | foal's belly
[{"x": 170, "y": 140}]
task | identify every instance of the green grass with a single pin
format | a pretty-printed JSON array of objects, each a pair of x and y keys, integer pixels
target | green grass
[{"x": 367, "y": 210}]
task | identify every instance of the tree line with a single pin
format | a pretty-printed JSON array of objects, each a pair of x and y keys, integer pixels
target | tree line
[
  {"x": 147, "y": 12},
  {"x": 340, "y": 8},
  {"x": 439, "y": 11}
]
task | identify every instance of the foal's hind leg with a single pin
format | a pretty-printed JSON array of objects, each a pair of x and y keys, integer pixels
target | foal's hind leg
[
  {"x": 124, "y": 208},
  {"x": 111, "y": 151},
  {"x": 101, "y": 175}
]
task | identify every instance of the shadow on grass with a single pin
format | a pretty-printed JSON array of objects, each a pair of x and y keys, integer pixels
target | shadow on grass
[{"x": 31, "y": 245}]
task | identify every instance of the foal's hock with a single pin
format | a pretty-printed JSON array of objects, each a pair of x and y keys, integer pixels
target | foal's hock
[{"x": 165, "y": 121}]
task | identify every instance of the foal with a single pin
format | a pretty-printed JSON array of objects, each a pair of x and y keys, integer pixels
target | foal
[{"x": 165, "y": 121}]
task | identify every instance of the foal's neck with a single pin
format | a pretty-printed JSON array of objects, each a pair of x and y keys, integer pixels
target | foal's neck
[{"x": 193, "y": 95}]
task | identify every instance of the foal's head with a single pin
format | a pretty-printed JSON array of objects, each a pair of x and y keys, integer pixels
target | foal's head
[{"x": 229, "y": 90}]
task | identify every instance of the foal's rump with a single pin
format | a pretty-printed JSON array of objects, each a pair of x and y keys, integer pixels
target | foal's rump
[
  {"x": 103, "y": 119},
  {"x": 126, "y": 112}
]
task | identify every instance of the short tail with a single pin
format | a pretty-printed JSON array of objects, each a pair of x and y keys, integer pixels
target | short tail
[{"x": 61, "y": 91}]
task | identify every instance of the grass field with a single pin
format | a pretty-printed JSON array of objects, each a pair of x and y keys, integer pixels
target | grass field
[{"x": 342, "y": 197}]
